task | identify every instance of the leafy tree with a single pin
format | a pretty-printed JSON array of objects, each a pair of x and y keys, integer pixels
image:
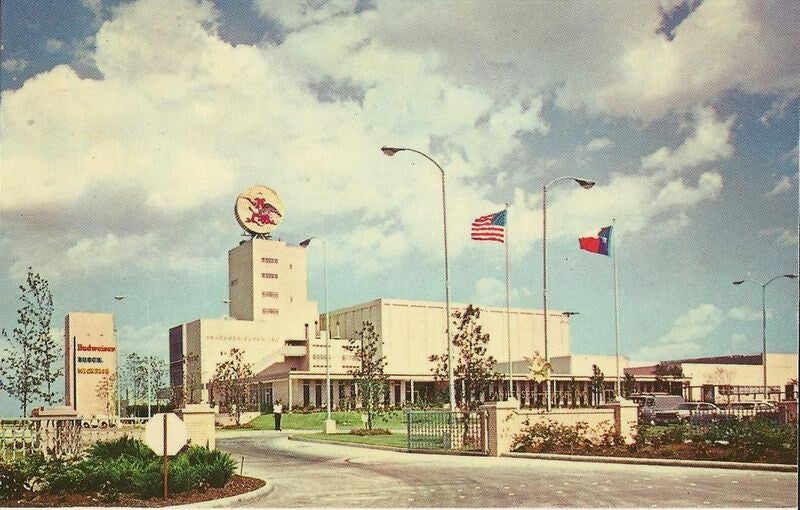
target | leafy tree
[
  {"x": 231, "y": 378},
  {"x": 143, "y": 375},
  {"x": 665, "y": 374},
  {"x": 629, "y": 384},
  {"x": 369, "y": 377},
  {"x": 472, "y": 367},
  {"x": 27, "y": 369},
  {"x": 596, "y": 383}
]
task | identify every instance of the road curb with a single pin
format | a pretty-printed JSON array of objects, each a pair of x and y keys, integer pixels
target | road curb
[
  {"x": 786, "y": 468},
  {"x": 239, "y": 498}
]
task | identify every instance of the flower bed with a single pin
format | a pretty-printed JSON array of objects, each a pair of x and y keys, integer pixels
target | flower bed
[
  {"x": 743, "y": 441},
  {"x": 115, "y": 473}
]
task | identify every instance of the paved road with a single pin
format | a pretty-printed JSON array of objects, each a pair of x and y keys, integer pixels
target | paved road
[{"x": 314, "y": 475}]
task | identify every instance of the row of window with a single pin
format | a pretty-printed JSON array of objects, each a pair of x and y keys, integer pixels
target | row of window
[
  {"x": 267, "y": 260},
  {"x": 269, "y": 311},
  {"x": 267, "y": 293},
  {"x": 273, "y": 276}
]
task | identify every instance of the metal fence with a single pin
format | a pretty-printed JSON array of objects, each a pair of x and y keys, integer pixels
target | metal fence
[
  {"x": 445, "y": 430},
  {"x": 723, "y": 417},
  {"x": 59, "y": 437}
]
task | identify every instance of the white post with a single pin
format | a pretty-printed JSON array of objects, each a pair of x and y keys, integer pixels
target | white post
[
  {"x": 508, "y": 314},
  {"x": 544, "y": 292},
  {"x": 615, "y": 238}
]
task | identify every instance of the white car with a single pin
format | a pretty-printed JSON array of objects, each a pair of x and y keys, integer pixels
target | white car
[{"x": 683, "y": 412}]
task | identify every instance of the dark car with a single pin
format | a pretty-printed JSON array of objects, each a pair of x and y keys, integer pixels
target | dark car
[
  {"x": 650, "y": 403},
  {"x": 683, "y": 412}
]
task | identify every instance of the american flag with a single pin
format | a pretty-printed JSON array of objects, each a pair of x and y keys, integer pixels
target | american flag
[{"x": 491, "y": 227}]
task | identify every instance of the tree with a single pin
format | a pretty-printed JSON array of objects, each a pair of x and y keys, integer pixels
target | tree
[
  {"x": 665, "y": 374},
  {"x": 472, "y": 368},
  {"x": 369, "y": 377},
  {"x": 231, "y": 378},
  {"x": 27, "y": 369},
  {"x": 142, "y": 376},
  {"x": 106, "y": 393},
  {"x": 629, "y": 384},
  {"x": 596, "y": 384}
]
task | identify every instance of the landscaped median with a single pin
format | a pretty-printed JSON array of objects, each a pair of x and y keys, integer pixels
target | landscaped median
[
  {"x": 124, "y": 473},
  {"x": 391, "y": 440},
  {"x": 345, "y": 420}
]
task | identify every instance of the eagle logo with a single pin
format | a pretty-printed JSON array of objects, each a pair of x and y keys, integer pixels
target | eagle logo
[{"x": 261, "y": 212}]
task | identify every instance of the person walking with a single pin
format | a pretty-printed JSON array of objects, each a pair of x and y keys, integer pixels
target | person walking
[{"x": 277, "y": 411}]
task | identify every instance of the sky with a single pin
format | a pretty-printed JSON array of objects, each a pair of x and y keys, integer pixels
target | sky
[{"x": 127, "y": 128}]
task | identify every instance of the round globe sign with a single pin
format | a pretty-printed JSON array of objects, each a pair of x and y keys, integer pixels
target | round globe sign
[{"x": 259, "y": 210}]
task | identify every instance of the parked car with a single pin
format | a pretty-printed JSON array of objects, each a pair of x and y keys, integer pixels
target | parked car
[
  {"x": 649, "y": 403},
  {"x": 753, "y": 405},
  {"x": 683, "y": 412}
]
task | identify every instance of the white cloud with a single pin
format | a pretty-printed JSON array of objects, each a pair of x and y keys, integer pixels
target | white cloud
[
  {"x": 619, "y": 64},
  {"x": 686, "y": 336},
  {"x": 709, "y": 142},
  {"x": 54, "y": 45},
  {"x": 745, "y": 313},
  {"x": 14, "y": 64},
  {"x": 597, "y": 144},
  {"x": 786, "y": 236},
  {"x": 786, "y": 183},
  {"x": 491, "y": 291},
  {"x": 294, "y": 15}
]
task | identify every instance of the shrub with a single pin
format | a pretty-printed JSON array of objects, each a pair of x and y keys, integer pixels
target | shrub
[
  {"x": 370, "y": 432},
  {"x": 124, "y": 446},
  {"x": 12, "y": 481},
  {"x": 149, "y": 482},
  {"x": 66, "y": 478},
  {"x": 549, "y": 436}
]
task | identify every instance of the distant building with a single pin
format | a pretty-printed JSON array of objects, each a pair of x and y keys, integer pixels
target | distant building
[
  {"x": 90, "y": 363},
  {"x": 728, "y": 378}
]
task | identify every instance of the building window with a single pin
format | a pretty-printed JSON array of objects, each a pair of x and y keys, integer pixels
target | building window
[
  {"x": 306, "y": 393},
  {"x": 272, "y": 276},
  {"x": 267, "y": 260},
  {"x": 270, "y": 294},
  {"x": 269, "y": 311}
]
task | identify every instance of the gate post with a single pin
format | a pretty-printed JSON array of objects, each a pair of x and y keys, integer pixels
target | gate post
[{"x": 499, "y": 430}]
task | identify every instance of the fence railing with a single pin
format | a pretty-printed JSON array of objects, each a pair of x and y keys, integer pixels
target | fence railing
[
  {"x": 721, "y": 417},
  {"x": 445, "y": 430},
  {"x": 59, "y": 437}
]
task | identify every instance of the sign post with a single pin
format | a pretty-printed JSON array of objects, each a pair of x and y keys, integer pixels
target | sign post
[{"x": 165, "y": 434}]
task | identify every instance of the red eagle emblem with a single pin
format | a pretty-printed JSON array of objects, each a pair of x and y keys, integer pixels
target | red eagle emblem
[{"x": 261, "y": 212}]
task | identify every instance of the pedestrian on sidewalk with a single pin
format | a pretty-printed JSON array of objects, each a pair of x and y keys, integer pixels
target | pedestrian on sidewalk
[{"x": 277, "y": 411}]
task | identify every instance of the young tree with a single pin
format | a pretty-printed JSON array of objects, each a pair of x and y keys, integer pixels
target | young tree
[
  {"x": 368, "y": 378},
  {"x": 596, "y": 383},
  {"x": 629, "y": 384},
  {"x": 27, "y": 370},
  {"x": 231, "y": 378},
  {"x": 472, "y": 368},
  {"x": 142, "y": 376},
  {"x": 665, "y": 374}
]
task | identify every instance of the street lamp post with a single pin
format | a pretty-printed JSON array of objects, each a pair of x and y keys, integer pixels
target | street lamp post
[
  {"x": 147, "y": 316},
  {"x": 391, "y": 151},
  {"x": 585, "y": 184},
  {"x": 330, "y": 424},
  {"x": 764, "y": 320}
]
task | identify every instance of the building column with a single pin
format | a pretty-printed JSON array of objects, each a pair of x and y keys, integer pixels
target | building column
[
  {"x": 289, "y": 385},
  {"x": 412, "y": 391}
]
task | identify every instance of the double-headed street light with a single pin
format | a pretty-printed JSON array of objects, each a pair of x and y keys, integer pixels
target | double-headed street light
[
  {"x": 391, "y": 151},
  {"x": 585, "y": 184},
  {"x": 305, "y": 244},
  {"x": 764, "y": 320}
]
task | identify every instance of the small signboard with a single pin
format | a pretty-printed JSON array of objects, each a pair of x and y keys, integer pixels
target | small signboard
[{"x": 154, "y": 433}]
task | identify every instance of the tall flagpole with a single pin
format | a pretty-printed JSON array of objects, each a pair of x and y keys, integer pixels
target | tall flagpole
[
  {"x": 508, "y": 317},
  {"x": 616, "y": 298}
]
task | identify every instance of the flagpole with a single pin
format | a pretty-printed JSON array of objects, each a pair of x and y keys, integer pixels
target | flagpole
[
  {"x": 616, "y": 299},
  {"x": 508, "y": 317}
]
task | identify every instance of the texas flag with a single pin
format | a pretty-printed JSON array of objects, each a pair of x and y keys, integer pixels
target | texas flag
[{"x": 600, "y": 244}]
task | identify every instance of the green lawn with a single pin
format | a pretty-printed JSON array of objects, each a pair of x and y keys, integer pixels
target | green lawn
[
  {"x": 345, "y": 420},
  {"x": 398, "y": 440}
]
